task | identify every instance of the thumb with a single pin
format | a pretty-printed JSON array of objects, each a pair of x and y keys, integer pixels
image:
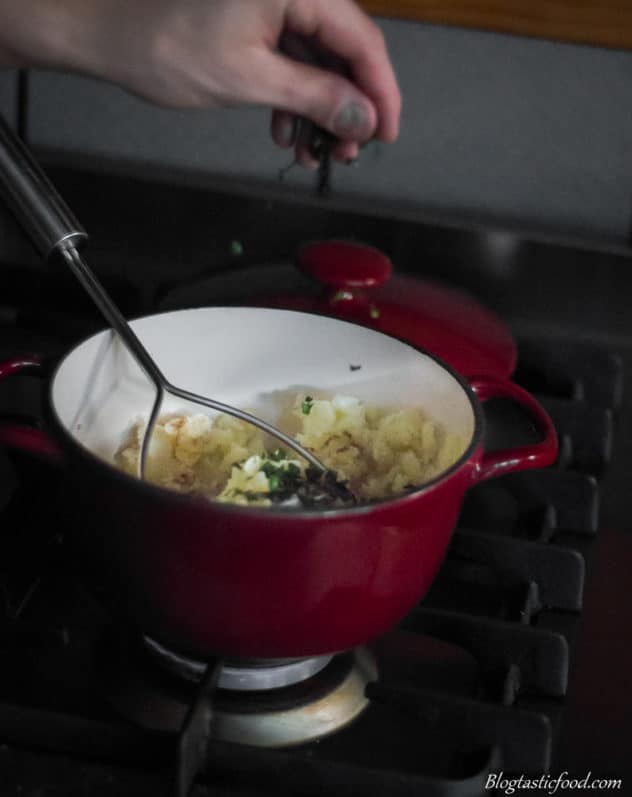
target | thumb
[{"x": 325, "y": 97}]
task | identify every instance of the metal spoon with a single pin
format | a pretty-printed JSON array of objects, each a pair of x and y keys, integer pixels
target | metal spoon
[{"x": 53, "y": 229}]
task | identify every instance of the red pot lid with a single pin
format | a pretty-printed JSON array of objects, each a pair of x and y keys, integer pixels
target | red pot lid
[{"x": 358, "y": 285}]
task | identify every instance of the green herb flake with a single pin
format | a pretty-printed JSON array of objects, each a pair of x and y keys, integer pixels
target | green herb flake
[
  {"x": 306, "y": 406},
  {"x": 269, "y": 468},
  {"x": 274, "y": 482},
  {"x": 293, "y": 471},
  {"x": 236, "y": 248},
  {"x": 278, "y": 454}
]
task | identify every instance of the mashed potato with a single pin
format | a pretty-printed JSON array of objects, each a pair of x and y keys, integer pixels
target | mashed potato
[{"x": 380, "y": 453}]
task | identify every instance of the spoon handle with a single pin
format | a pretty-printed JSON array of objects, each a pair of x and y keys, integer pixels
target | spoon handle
[
  {"x": 53, "y": 229},
  {"x": 48, "y": 221}
]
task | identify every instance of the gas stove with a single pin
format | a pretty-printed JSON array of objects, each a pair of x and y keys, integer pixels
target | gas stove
[{"x": 493, "y": 672}]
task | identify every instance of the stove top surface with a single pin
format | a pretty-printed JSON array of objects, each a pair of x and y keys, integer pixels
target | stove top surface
[{"x": 519, "y": 653}]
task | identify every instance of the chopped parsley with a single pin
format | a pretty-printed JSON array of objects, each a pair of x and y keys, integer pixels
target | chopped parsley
[
  {"x": 306, "y": 406},
  {"x": 283, "y": 478},
  {"x": 269, "y": 468},
  {"x": 287, "y": 483}
]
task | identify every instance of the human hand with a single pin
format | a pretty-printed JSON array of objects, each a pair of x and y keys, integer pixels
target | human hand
[{"x": 206, "y": 53}]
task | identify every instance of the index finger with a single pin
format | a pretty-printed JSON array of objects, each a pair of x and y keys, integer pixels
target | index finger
[{"x": 341, "y": 26}]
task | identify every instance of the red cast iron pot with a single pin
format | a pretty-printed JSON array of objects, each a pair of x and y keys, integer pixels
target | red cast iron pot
[{"x": 207, "y": 578}]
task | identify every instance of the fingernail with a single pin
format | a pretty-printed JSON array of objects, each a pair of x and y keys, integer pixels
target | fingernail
[{"x": 351, "y": 121}]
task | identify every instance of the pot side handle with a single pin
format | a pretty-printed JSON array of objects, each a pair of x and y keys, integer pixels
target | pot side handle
[
  {"x": 22, "y": 437},
  {"x": 511, "y": 460}
]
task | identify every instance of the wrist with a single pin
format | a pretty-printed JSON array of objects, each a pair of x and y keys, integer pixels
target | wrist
[{"x": 57, "y": 34}]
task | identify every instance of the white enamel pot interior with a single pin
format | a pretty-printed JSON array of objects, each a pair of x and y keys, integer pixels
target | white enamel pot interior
[{"x": 253, "y": 358}]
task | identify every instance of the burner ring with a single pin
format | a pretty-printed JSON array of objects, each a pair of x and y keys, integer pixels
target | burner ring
[
  {"x": 251, "y": 676},
  {"x": 307, "y": 710}
]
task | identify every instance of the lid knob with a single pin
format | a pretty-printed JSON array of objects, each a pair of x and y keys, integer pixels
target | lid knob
[{"x": 344, "y": 265}]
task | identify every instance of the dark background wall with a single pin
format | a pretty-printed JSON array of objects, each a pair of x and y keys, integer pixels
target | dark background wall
[{"x": 505, "y": 130}]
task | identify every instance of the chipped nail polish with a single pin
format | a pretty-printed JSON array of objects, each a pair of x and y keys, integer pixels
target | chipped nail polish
[{"x": 351, "y": 121}]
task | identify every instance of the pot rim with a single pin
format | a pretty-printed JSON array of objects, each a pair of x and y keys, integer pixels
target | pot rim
[{"x": 292, "y": 513}]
